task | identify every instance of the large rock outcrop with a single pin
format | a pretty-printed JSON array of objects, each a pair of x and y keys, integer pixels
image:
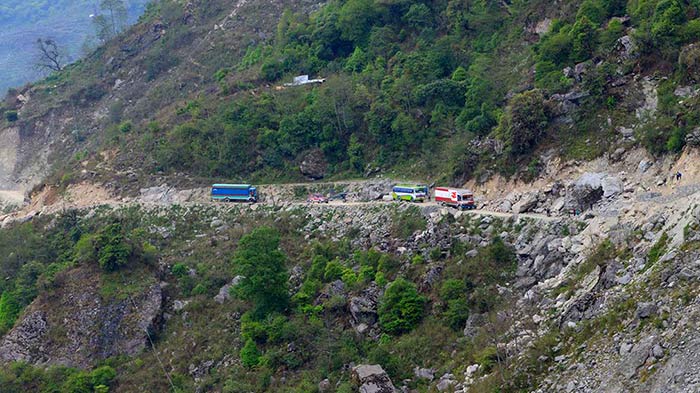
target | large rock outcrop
[
  {"x": 76, "y": 326},
  {"x": 372, "y": 379}
]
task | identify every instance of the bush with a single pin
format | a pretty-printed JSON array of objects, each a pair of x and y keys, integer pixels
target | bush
[
  {"x": 457, "y": 313},
  {"x": 334, "y": 270},
  {"x": 11, "y": 116},
  {"x": 584, "y": 39},
  {"x": 401, "y": 307},
  {"x": 80, "y": 382},
  {"x": 125, "y": 127},
  {"x": 524, "y": 122},
  {"x": 262, "y": 264},
  {"x": 180, "y": 270},
  {"x": 676, "y": 141},
  {"x": 113, "y": 249},
  {"x": 9, "y": 311},
  {"x": 658, "y": 249},
  {"x": 103, "y": 376},
  {"x": 250, "y": 355}
]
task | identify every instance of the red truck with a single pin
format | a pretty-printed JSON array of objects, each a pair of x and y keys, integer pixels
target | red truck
[{"x": 455, "y": 197}]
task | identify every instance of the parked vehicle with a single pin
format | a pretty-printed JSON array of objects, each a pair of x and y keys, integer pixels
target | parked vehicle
[
  {"x": 340, "y": 196},
  {"x": 455, "y": 197},
  {"x": 409, "y": 192},
  {"x": 234, "y": 192},
  {"x": 316, "y": 198},
  {"x": 426, "y": 190}
]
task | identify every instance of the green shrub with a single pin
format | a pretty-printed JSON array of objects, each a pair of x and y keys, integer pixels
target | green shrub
[
  {"x": 125, "y": 127},
  {"x": 609, "y": 36},
  {"x": 199, "y": 289},
  {"x": 457, "y": 313},
  {"x": 487, "y": 358},
  {"x": 380, "y": 279},
  {"x": 676, "y": 141},
  {"x": 401, "y": 307},
  {"x": 334, "y": 270},
  {"x": 452, "y": 289},
  {"x": 9, "y": 311},
  {"x": 549, "y": 76},
  {"x": 103, "y": 376},
  {"x": 658, "y": 249},
  {"x": 180, "y": 270},
  {"x": 262, "y": 264},
  {"x": 307, "y": 292},
  {"x": 11, "y": 116},
  {"x": 349, "y": 277},
  {"x": 524, "y": 122},
  {"x": 250, "y": 355},
  {"x": 113, "y": 249}
]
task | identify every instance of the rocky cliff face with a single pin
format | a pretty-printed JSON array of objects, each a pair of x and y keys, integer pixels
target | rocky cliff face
[{"x": 74, "y": 325}]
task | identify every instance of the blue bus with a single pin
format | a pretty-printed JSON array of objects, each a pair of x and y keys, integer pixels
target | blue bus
[{"x": 234, "y": 192}]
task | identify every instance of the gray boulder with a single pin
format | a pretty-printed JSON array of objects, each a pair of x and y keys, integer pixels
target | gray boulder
[
  {"x": 526, "y": 203},
  {"x": 446, "y": 382},
  {"x": 646, "y": 310},
  {"x": 363, "y": 308},
  {"x": 591, "y": 188},
  {"x": 313, "y": 165},
  {"x": 644, "y": 166},
  {"x": 372, "y": 379},
  {"x": 636, "y": 357},
  {"x": 693, "y": 138},
  {"x": 424, "y": 373},
  {"x": 625, "y": 48},
  {"x": 225, "y": 292},
  {"x": 611, "y": 186},
  {"x": 586, "y": 191},
  {"x": 374, "y": 190}
]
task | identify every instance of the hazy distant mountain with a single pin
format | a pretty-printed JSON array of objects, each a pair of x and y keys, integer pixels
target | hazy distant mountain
[{"x": 24, "y": 21}]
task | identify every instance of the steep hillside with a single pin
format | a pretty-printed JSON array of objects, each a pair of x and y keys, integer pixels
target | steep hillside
[
  {"x": 491, "y": 89},
  {"x": 577, "y": 126},
  {"x": 67, "y": 22}
]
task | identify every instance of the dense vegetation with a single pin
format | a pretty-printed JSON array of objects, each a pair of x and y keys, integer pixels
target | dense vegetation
[{"x": 409, "y": 80}]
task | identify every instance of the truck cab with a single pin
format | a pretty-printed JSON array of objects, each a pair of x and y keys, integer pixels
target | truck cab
[{"x": 455, "y": 197}]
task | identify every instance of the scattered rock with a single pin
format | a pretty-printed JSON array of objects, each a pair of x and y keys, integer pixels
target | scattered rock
[
  {"x": 446, "y": 382},
  {"x": 424, "y": 373},
  {"x": 646, "y": 310},
  {"x": 693, "y": 138},
  {"x": 178, "y": 305},
  {"x": 372, "y": 379},
  {"x": 363, "y": 308},
  {"x": 625, "y": 348},
  {"x": 225, "y": 292},
  {"x": 324, "y": 386},
  {"x": 625, "y": 48}
]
